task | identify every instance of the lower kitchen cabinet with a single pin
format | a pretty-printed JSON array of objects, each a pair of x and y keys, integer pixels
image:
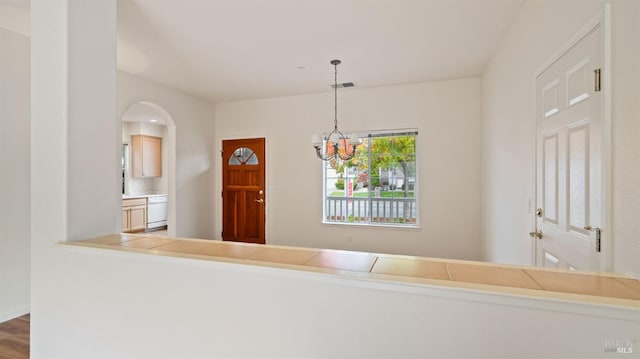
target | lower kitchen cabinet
[
  {"x": 134, "y": 215},
  {"x": 126, "y": 226}
]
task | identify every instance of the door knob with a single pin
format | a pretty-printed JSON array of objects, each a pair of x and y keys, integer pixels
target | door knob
[
  {"x": 536, "y": 234},
  {"x": 259, "y": 200}
]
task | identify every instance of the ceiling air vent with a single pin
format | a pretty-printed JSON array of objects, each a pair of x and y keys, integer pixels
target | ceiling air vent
[{"x": 344, "y": 85}]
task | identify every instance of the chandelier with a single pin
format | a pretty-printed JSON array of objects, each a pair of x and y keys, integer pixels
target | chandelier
[{"x": 335, "y": 145}]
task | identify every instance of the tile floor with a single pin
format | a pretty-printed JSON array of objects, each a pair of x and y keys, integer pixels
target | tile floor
[{"x": 390, "y": 267}]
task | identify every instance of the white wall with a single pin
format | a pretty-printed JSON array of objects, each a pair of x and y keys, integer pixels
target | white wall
[
  {"x": 446, "y": 115},
  {"x": 74, "y": 140},
  {"x": 14, "y": 174},
  {"x": 180, "y": 308},
  {"x": 193, "y": 120},
  {"x": 508, "y": 127}
]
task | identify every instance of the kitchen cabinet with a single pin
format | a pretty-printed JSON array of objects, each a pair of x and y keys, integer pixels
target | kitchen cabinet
[
  {"x": 134, "y": 215},
  {"x": 146, "y": 156}
]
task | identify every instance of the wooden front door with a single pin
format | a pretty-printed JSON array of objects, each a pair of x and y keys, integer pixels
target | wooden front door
[
  {"x": 569, "y": 158},
  {"x": 243, "y": 190}
]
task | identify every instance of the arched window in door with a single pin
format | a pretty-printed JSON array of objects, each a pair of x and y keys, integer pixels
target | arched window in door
[{"x": 243, "y": 156}]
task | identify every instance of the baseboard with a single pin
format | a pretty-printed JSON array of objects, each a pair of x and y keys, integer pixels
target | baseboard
[{"x": 14, "y": 313}]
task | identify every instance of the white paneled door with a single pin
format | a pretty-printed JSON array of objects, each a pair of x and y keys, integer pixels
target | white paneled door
[{"x": 569, "y": 158}]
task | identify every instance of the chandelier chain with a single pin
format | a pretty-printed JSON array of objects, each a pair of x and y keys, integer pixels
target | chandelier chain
[{"x": 335, "y": 96}]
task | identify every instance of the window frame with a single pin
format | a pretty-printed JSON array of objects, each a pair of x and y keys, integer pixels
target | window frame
[{"x": 389, "y": 223}]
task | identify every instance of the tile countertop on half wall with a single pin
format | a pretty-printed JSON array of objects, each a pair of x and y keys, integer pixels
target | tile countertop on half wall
[
  {"x": 595, "y": 288},
  {"x": 129, "y": 196}
]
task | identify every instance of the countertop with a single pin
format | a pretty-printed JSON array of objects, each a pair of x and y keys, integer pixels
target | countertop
[
  {"x": 129, "y": 196},
  {"x": 595, "y": 288}
]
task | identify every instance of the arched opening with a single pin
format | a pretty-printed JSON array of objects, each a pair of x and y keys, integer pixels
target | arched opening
[{"x": 149, "y": 119}]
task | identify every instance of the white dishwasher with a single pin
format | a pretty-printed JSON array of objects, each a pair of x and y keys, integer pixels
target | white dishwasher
[{"x": 156, "y": 211}]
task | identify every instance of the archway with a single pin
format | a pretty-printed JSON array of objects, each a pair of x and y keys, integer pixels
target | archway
[{"x": 145, "y": 117}]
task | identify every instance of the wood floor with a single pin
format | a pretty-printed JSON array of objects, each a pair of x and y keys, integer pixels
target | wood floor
[{"x": 14, "y": 338}]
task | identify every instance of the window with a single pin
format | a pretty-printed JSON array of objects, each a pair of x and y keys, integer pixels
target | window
[
  {"x": 243, "y": 156},
  {"x": 125, "y": 152},
  {"x": 376, "y": 187}
]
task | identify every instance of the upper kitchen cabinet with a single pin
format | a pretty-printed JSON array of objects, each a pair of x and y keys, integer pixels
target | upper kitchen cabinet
[{"x": 146, "y": 156}]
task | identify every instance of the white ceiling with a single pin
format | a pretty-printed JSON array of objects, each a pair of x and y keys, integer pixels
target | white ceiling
[
  {"x": 226, "y": 50},
  {"x": 229, "y": 50}
]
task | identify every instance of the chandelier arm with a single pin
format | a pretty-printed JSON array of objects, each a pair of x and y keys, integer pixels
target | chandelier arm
[
  {"x": 348, "y": 156},
  {"x": 321, "y": 156}
]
